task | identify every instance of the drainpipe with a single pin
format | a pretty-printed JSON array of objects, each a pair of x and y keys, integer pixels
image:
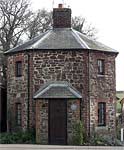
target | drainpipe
[
  {"x": 89, "y": 87},
  {"x": 80, "y": 110},
  {"x": 28, "y": 87}
]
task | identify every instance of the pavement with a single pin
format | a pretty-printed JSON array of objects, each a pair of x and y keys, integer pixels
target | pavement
[{"x": 54, "y": 147}]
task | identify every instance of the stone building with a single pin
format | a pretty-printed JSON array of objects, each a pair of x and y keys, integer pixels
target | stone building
[
  {"x": 59, "y": 78},
  {"x": 3, "y": 99}
]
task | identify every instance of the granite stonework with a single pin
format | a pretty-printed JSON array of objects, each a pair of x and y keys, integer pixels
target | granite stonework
[{"x": 77, "y": 67}]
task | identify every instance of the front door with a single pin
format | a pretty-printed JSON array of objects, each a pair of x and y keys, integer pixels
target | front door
[{"x": 57, "y": 122}]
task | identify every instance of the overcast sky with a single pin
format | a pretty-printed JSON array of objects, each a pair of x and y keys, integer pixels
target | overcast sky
[{"x": 107, "y": 16}]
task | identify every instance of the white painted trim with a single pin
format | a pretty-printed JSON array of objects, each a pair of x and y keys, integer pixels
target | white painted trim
[
  {"x": 75, "y": 93},
  {"x": 43, "y": 91},
  {"x": 122, "y": 134}
]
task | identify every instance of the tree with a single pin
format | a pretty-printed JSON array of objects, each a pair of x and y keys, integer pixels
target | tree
[
  {"x": 39, "y": 23},
  {"x": 80, "y": 24},
  {"x": 13, "y": 22},
  {"x": 42, "y": 21},
  {"x": 17, "y": 19}
]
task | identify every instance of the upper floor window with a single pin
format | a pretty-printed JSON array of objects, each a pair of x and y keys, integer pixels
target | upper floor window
[
  {"x": 18, "y": 69},
  {"x": 101, "y": 114},
  {"x": 18, "y": 114},
  {"x": 101, "y": 67}
]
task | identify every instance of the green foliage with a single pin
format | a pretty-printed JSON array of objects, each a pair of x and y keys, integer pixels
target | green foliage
[
  {"x": 105, "y": 140},
  {"x": 98, "y": 141},
  {"x": 78, "y": 133},
  {"x": 17, "y": 138},
  {"x": 118, "y": 129},
  {"x": 118, "y": 106},
  {"x": 120, "y": 95}
]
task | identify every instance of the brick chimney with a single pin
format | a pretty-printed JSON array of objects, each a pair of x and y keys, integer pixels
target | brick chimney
[{"x": 61, "y": 17}]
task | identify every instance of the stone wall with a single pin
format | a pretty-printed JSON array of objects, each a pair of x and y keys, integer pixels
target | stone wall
[
  {"x": 73, "y": 116},
  {"x": 102, "y": 89},
  {"x": 62, "y": 65},
  {"x": 70, "y": 66},
  {"x": 42, "y": 121},
  {"x": 16, "y": 91}
]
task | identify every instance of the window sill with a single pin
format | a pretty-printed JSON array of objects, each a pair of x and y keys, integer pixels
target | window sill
[
  {"x": 101, "y": 76},
  {"x": 19, "y": 78},
  {"x": 101, "y": 128}
]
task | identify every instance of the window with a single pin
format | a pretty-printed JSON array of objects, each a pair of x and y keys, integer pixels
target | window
[
  {"x": 101, "y": 114},
  {"x": 101, "y": 67},
  {"x": 18, "y": 69},
  {"x": 18, "y": 114}
]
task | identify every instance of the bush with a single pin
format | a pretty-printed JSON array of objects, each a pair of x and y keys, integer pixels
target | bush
[
  {"x": 17, "y": 138},
  {"x": 97, "y": 141},
  {"x": 78, "y": 133},
  {"x": 104, "y": 141},
  {"x": 119, "y": 131}
]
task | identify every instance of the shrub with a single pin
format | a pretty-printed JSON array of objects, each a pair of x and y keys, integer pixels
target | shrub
[
  {"x": 118, "y": 131},
  {"x": 97, "y": 141},
  {"x": 104, "y": 141},
  {"x": 17, "y": 138},
  {"x": 78, "y": 133}
]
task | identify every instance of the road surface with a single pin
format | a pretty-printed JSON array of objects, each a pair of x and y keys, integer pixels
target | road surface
[{"x": 49, "y": 147}]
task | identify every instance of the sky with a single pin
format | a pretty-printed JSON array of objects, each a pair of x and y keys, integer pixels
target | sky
[{"x": 107, "y": 16}]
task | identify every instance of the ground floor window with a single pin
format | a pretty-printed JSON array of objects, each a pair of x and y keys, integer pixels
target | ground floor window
[
  {"x": 18, "y": 114},
  {"x": 18, "y": 68},
  {"x": 101, "y": 114}
]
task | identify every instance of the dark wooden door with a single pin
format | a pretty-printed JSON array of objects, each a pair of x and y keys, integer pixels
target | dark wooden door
[{"x": 57, "y": 122}]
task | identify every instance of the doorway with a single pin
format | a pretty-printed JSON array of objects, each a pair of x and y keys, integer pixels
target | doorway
[{"x": 58, "y": 122}]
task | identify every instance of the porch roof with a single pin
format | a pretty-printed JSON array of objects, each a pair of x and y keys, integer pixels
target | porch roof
[{"x": 57, "y": 89}]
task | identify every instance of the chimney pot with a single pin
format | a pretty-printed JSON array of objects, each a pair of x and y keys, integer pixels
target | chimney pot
[{"x": 60, "y": 6}]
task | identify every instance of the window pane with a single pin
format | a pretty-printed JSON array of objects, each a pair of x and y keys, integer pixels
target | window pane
[
  {"x": 18, "y": 114},
  {"x": 100, "y": 67},
  {"x": 101, "y": 114},
  {"x": 18, "y": 68}
]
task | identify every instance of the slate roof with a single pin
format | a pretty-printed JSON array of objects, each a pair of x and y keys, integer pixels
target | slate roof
[
  {"x": 57, "y": 89},
  {"x": 61, "y": 38}
]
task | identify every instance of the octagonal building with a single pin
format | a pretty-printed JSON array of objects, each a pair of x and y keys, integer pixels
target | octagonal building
[{"x": 59, "y": 78}]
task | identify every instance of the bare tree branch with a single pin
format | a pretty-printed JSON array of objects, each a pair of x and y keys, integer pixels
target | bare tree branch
[
  {"x": 80, "y": 24},
  {"x": 42, "y": 21},
  {"x": 39, "y": 23},
  {"x": 16, "y": 19},
  {"x": 13, "y": 21}
]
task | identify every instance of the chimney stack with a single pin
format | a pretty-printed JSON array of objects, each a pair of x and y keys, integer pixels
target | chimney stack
[{"x": 61, "y": 17}]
